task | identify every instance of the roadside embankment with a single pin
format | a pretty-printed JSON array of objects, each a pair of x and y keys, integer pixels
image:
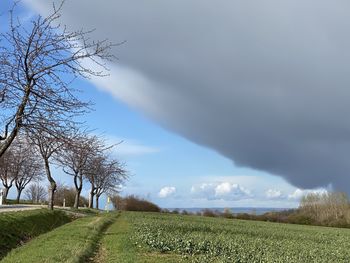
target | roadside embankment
[
  {"x": 16, "y": 228},
  {"x": 73, "y": 242}
]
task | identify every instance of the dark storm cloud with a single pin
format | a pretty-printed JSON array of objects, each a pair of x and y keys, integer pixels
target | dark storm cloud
[{"x": 265, "y": 83}]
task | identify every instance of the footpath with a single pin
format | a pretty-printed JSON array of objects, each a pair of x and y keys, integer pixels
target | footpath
[{"x": 14, "y": 208}]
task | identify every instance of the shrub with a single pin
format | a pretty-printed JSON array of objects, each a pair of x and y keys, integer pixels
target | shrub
[
  {"x": 329, "y": 208},
  {"x": 68, "y": 194},
  {"x": 133, "y": 203},
  {"x": 227, "y": 213},
  {"x": 185, "y": 212},
  {"x": 209, "y": 213},
  {"x": 298, "y": 218}
]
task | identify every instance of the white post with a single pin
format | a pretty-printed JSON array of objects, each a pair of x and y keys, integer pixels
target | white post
[
  {"x": 64, "y": 202},
  {"x": 107, "y": 204},
  {"x": 1, "y": 195}
]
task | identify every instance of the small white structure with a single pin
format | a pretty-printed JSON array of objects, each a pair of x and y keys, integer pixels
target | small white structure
[
  {"x": 1, "y": 195},
  {"x": 107, "y": 207}
]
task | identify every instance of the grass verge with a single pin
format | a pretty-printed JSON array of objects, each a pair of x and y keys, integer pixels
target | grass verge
[
  {"x": 73, "y": 242},
  {"x": 18, "y": 227}
]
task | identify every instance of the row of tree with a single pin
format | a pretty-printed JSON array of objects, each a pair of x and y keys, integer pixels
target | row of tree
[
  {"x": 39, "y": 107},
  {"x": 328, "y": 208},
  {"x": 19, "y": 166},
  {"x": 84, "y": 157}
]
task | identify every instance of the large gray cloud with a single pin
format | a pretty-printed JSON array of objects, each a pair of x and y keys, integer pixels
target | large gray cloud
[{"x": 265, "y": 83}]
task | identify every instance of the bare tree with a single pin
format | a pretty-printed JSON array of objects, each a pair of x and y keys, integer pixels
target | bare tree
[
  {"x": 31, "y": 169},
  {"x": 66, "y": 196},
  {"x": 38, "y": 61},
  {"x": 36, "y": 192},
  {"x": 326, "y": 207},
  {"x": 110, "y": 181},
  {"x": 7, "y": 175},
  {"x": 74, "y": 158},
  {"x": 13, "y": 163},
  {"x": 48, "y": 144},
  {"x": 91, "y": 173},
  {"x": 106, "y": 176},
  {"x": 23, "y": 165},
  {"x": 94, "y": 165}
]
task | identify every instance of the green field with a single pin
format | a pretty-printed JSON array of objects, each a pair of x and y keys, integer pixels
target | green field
[
  {"x": 130, "y": 237},
  {"x": 200, "y": 239}
]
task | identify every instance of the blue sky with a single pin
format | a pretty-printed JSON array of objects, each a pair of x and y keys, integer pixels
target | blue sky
[
  {"x": 158, "y": 158},
  {"x": 168, "y": 164}
]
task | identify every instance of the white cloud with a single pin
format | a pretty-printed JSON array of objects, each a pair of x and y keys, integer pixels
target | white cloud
[
  {"x": 273, "y": 194},
  {"x": 167, "y": 191},
  {"x": 220, "y": 190},
  {"x": 223, "y": 189},
  {"x": 133, "y": 148},
  {"x": 299, "y": 193},
  {"x": 129, "y": 147},
  {"x": 203, "y": 188}
]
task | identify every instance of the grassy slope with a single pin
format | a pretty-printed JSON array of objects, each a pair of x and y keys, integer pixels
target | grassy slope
[
  {"x": 73, "y": 242},
  {"x": 18, "y": 227}
]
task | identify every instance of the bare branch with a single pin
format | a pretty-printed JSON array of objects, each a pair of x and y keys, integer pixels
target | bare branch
[{"x": 38, "y": 62}]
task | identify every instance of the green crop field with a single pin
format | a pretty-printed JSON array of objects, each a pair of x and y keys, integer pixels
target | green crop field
[
  {"x": 137, "y": 237},
  {"x": 201, "y": 239}
]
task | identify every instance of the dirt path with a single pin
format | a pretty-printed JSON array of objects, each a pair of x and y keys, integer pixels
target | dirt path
[
  {"x": 115, "y": 246},
  {"x": 99, "y": 256},
  {"x": 15, "y": 208}
]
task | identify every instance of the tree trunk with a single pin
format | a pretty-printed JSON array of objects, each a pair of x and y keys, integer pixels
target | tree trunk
[
  {"x": 91, "y": 198},
  {"x": 77, "y": 198},
  {"x": 78, "y": 182},
  {"x": 53, "y": 186},
  {"x": 19, "y": 192},
  {"x": 6, "y": 192},
  {"x": 97, "y": 197},
  {"x": 5, "y": 144},
  {"x": 52, "y": 190},
  {"x": 36, "y": 197}
]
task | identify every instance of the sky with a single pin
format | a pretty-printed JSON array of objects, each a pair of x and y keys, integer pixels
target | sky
[{"x": 232, "y": 103}]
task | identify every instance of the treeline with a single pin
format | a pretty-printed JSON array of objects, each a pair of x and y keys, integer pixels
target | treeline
[
  {"x": 330, "y": 209},
  {"x": 37, "y": 194},
  {"x": 323, "y": 209},
  {"x": 86, "y": 158},
  {"x": 41, "y": 114}
]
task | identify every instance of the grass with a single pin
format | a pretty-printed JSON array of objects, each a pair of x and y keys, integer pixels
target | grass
[
  {"x": 135, "y": 237},
  {"x": 73, "y": 242},
  {"x": 116, "y": 246},
  {"x": 80, "y": 211},
  {"x": 17, "y": 228},
  {"x": 24, "y": 202}
]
